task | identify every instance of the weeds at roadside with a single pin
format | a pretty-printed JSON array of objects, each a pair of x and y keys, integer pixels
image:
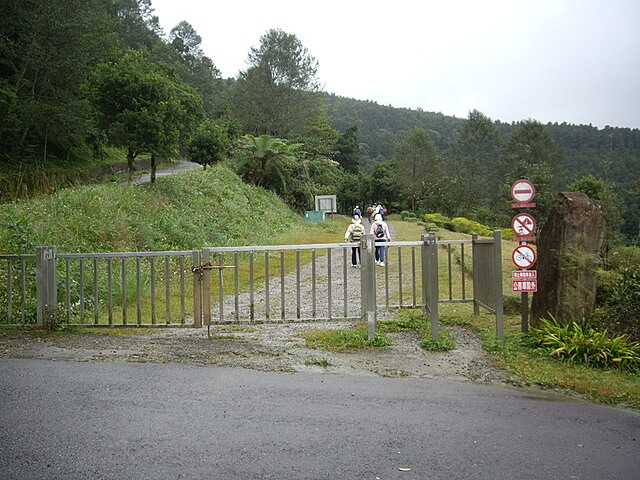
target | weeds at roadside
[
  {"x": 414, "y": 320},
  {"x": 320, "y": 362}
]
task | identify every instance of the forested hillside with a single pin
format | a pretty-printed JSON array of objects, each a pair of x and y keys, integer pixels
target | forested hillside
[
  {"x": 611, "y": 154},
  {"x": 84, "y": 83}
]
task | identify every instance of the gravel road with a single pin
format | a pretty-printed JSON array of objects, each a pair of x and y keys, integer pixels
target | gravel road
[{"x": 275, "y": 347}]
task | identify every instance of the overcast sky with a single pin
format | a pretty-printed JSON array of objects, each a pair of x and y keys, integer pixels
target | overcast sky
[{"x": 574, "y": 61}]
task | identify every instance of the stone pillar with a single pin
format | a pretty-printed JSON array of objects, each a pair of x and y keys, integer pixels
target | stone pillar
[{"x": 568, "y": 253}]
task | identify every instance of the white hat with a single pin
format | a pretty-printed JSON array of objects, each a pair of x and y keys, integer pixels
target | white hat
[
  {"x": 356, "y": 219},
  {"x": 378, "y": 217}
]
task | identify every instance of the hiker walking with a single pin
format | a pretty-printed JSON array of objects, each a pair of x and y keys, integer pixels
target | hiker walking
[
  {"x": 370, "y": 213},
  {"x": 380, "y": 231},
  {"x": 354, "y": 234},
  {"x": 356, "y": 211}
]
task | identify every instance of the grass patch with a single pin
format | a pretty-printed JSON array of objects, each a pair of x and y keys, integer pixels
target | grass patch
[
  {"x": 413, "y": 320},
  {"x": 344, "y": 340}
]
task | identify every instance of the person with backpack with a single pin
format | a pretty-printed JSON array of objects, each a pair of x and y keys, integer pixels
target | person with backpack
[
  {"x": 381, "y": 234},
  {"x": 370, "y": 214},
  {"x": 356, "y": 211},
  {"x": 354, "y": 233}
]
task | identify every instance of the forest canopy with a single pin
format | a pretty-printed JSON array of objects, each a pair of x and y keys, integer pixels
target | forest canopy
[{"x": 89, "y": 82}]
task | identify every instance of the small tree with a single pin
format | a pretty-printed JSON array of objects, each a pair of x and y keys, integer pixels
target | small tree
[
  {"x": 142, "y": 109},
  {"x": 209, "y": 144}
]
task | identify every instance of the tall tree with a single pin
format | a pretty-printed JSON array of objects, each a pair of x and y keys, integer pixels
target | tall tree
[
  {"x": 532, "y": 154},
  {"x": 473, "y": 160},
  {"x": 381, "y": 186},
  {"x": 416, "y": 163},
  {"x": 142, "y": 109},
  {"x": 348, "y": 150},
  {"x": 136, "y": 25},
  {"x": 47, "y": 51},
  {"x": 279, "y": 93},
  {"x": 196, "y": 68}
]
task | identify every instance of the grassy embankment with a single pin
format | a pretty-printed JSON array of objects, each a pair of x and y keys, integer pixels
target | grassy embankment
[{"x": 214, "y": 208}]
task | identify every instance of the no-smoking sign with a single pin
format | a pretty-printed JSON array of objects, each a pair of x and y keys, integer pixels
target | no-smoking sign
[
  {"x": 523, "y": 225},
  {"x": 523, "y": 256}
]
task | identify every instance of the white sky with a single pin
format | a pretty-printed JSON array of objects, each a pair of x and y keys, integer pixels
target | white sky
[{"x": 574, "y": 61}]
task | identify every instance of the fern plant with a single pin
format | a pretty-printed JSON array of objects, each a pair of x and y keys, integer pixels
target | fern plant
[{"x": 580, "y": 343}]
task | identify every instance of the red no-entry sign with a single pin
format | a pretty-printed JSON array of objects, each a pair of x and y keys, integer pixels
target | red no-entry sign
[{"x": 523, "y": 191}]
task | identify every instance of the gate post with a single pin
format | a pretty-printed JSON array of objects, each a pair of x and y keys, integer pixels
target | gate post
[
  {"x": 197, "y": 289},
  {"x": 206, "y": 288},
  {"x": 476, "y": 274},
  {"x": 430, "y": 291},
  {"x": 46, "y": 285},
  {"x": 368, "y": 283}
]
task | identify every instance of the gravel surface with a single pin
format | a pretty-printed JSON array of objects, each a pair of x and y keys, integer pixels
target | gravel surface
[{"x": 278, "y": 347}]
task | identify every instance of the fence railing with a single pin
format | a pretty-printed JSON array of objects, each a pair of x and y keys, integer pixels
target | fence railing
[{"x": 247, "y": 284}]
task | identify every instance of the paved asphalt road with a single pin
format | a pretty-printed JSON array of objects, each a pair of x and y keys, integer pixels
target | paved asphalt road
[
  {"x": 176, "y": 166},
  {"x": 112, "y": 420}
]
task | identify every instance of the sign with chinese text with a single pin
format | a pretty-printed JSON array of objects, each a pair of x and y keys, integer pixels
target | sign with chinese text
[{"x": 524, "y": 285}]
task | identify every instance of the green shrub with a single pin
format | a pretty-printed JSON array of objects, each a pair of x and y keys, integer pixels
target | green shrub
[
  {"x": 619, "y": 302},
  {"x": 621, "y": 256},
  {"x": 507, "y": 233},
  {"x": 406, "y": 215},
  {"x": 464, "y": 225},
  {"x": 578, "y": 343},
  {"x": 439, "y": 219}
]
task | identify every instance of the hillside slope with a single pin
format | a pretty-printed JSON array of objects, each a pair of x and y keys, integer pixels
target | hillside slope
[{"x": 212, "y": 207}]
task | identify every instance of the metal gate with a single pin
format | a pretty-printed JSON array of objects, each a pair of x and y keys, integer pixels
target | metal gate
[
  {"x": 299, "y": 283},
  {"x": 307, "y": 283}
]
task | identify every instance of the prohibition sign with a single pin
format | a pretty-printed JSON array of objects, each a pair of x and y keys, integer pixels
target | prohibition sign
[
  {"x": 523, "y": 191},
  {"x": 523, "y": 224},
  {"x": 523, "y": 256}
]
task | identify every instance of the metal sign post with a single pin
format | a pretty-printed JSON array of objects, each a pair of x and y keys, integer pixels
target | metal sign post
[{"x": 523, "y": 256}]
